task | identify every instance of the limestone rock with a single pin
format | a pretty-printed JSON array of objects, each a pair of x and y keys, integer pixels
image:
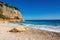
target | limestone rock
[
  {"x": 14, "y": 30},
  {"x": 18, "y": 29},
  {"x": 10, "y": 13}
]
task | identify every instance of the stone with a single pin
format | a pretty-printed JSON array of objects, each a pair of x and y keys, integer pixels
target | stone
[
  {"x": 14, "y": 30},
  {"x": 18, "y": 29},
  {"x": 10, "y": 13}
]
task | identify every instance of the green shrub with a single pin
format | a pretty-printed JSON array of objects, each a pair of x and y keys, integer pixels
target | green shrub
[{"x": 2, "y": 16}]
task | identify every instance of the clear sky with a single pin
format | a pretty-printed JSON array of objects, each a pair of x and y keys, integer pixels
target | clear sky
[{"x": 37, "y": 9}]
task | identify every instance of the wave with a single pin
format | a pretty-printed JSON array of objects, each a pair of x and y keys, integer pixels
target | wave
[
  {"x": 53, "y": 28},
  {"x": 45, "y": 27}
]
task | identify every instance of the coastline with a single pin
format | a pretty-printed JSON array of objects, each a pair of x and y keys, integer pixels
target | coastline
[{"x": 29, "y": 34}]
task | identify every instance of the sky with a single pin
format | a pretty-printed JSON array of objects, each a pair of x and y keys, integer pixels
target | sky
[{"x": 37, "y": 9}]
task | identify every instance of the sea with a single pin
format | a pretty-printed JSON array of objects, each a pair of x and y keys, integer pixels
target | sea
[{"x": 50, "y": 25}]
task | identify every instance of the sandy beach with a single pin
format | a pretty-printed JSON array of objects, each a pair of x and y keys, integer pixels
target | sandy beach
[
  {"x": 29, "y": 19},
  {"x": 26, "y": 33}
]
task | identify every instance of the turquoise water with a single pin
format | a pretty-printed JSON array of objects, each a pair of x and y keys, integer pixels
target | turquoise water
[
  {"x": 51, "y": 25},
  {"x": 41, "y": 22}
]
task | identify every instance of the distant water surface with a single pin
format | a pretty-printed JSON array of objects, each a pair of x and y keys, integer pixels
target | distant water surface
[{"x": 41, "y": 22}]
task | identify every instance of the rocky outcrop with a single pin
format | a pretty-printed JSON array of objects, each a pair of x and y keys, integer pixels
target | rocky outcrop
[
  {"x": 10, "y": 13},
  {"x": 18, "y": 29}
]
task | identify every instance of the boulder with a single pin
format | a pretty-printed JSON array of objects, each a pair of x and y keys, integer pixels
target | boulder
[{"x": 18, "y": 29}]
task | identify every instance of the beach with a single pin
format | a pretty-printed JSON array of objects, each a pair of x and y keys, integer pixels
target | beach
[
  {"x": 26, "y": 33},
  {"x": 29, "y": 20}
]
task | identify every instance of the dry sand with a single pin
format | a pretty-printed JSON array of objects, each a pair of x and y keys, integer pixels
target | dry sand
[{"x": 29, "y": 34}]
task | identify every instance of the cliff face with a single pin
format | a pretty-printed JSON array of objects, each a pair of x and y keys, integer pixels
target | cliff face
[{"x": 10, "y": 13}]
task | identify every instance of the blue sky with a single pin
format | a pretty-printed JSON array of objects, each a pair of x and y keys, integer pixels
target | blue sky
[{"x": 37, "y": 9}]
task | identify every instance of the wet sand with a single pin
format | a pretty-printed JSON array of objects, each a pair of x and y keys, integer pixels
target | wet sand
[{"x": 28, "y": 34}]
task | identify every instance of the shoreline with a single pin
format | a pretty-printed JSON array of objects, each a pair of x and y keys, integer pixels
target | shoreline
[
  {"x": 28, "y": 34},
  {"x": 15, "y": 24}
]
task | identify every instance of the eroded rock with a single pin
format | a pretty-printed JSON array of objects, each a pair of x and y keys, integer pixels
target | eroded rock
[
  {"x": 10, "y": 13},
  {"x": 18, "y": 29}
]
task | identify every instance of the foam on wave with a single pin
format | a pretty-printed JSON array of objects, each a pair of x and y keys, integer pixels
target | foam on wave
[
  {"x": 42, "y": 27},
  {"x": 45, "y": 27}
]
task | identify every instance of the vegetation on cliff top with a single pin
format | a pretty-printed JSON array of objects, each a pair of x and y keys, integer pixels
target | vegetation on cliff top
[{"x": 6, "y": 4}]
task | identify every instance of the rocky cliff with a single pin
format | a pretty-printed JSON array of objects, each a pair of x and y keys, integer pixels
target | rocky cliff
[{"x": 9, "y": 13}]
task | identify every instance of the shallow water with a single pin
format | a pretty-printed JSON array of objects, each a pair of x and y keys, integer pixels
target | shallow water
[{"x": 50, "y": 25}]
